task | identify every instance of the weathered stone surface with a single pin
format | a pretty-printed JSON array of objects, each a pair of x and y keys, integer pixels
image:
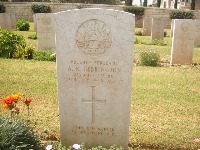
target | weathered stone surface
[
  {"x": 197, "y": 33},
  {"x": 183, "y": 41},
  {"x": 94, "y": 50},
  {"x": 147, "y": 22},
  {"x": 35, "y": 22},
  {"x": 157, "y": 29},
  {"x": 45, "y": 31},
  {"x": 5, "y": 21},
  {"x": 172, "y": 26}
]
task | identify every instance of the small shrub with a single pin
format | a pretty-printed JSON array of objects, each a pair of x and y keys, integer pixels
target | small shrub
[
  {"x": 149, "y": 58},
  {"x": 44, "y": 55},
  {"x": 165, "y": 34},
  {"x": 153, "y": 42},
  {"x": 2, "y": 8},
  {"x": 32, "y": 36},
  {"x": 17, "y": 135},
  {"x": 41, "y": 8},
  {"x": 9, "y": 42},
  {"x": 138, "y": 11},
  {"x": 157, "y": 42},
  {"x": 128, "y": 2},
  {"x": 177, "y": 14},
  {"x": 22, "y": 25},
  {"x": 24, "y": 53},
  {"x": 138, "y": 33},
  {"x": 81, "y": 6}
]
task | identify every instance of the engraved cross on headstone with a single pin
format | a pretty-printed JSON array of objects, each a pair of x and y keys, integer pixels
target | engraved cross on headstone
[{"x": 94, "y": 101}]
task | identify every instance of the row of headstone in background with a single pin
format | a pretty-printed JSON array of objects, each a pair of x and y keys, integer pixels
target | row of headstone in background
[
  {"x": 153, "y": 27},
  {"x": 183, "y": 41},
  {"x": 44, "y": 27},
  {"x": 7, "y": 21},
  {"x": 183, "y": 37},
  {"x": 94, "y": 66}
]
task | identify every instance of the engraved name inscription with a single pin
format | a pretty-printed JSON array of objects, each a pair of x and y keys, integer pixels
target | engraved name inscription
[
  {"x": 94, "y": 72},
  {"x": 93, "y": 37},
  {"x": 80, "y": 130}
]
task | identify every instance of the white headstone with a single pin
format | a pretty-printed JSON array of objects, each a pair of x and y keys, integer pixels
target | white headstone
[
  {"x": 172, "y": 26},
  {"x": 197, "y": 33},
  {"x": 45, "y": 31},
  {"x": 13, "y": 21},
  {"x": 5, "y": 21},
  {"x": 157, "y": 29},
  {"x": 147, "y": 22},
  {"x": 35, "y": 22},
  {"x": 183, "y": 41},
  {"x": 94, "y": 50}
]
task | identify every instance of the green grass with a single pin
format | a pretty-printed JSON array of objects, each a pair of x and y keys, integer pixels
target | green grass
[
  {"x": 28, "y": 33},
  {"x": 165, "y": 106}
]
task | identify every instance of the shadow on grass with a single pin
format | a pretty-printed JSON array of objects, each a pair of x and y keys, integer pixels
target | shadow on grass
[{"x": 144, "y": 146}]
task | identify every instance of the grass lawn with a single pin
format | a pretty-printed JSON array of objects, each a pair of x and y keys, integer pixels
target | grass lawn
[{"x": 165, "y": 108}]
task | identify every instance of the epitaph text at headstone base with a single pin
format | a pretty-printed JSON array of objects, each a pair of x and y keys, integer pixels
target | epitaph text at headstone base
[
  {"x": 5, "y": 21},
  {"x": 94, "y": 66},
  {"x": 197, "y": 33},
  {"x": 157, "y": 29},
  {"x": 183, "y": 41},
  {"x": 45, "y": 31},
  {"x": 147, "y": 22}
]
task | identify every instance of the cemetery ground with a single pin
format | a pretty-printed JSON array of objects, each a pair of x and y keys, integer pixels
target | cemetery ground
[{"x": 165, "y": 104}]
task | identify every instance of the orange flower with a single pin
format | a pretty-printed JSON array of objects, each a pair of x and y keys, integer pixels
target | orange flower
[
  {"x": 5, "y": 106},
  {"x": 27, "y": 101},
  {"x": 16, "y": 96},
  {"x": 8, "y": 100}
]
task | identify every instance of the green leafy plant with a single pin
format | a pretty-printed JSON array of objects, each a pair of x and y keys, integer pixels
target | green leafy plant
[
  {"x": 58, "y": 146},
  {"x": 22, "y": 25},
  {"x": 157, "y": 42},
  {"x": 139, "y": 33},
  {"x": 17, "y": 135},
  {"x": 2, "y": 8},
  {"x": 9, "y": 42},
  {"x": 32, "y": 36},
  {"x": 36, "y": 8},
  {"x": 138, "y": 11},
  {"x": 149, "y": 58},
  {"x": 177, "y": 14},
  {"x": 44, "y": 55},
  {"x": 152, "y": 42},
  {"x": 24, "y": 53},
  {"x": 81, "y": 6},
  {"x": 128, "y": 2}
]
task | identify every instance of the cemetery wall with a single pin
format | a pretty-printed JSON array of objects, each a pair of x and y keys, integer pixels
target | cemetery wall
[{"x": 23, "y": 10}]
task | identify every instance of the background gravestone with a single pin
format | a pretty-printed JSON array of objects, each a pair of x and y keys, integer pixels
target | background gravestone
[
  {"x": 5, "y": 21},
  {"x": 172, "y": 26},
  {"x": 13, "y": 21},
  {"x": 157, "y": 29},
  {"x": 45, "y": 31},
  {"x": 94, "y": 49},
  {"x": 147, "y": 22},
  {"x": 197, "y": 33},
  {"x": 183, "y": 41}
]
